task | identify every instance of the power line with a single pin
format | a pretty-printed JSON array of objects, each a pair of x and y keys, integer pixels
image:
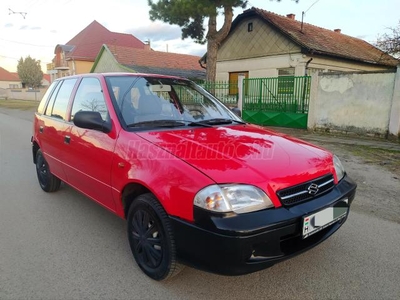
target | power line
[{"x": 27, "y": 44}]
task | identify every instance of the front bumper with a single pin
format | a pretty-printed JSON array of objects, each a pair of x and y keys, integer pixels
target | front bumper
[{"x": 239, "y": 244}]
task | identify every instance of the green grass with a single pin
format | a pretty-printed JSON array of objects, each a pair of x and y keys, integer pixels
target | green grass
[
  {"x": 19, "y": 104},
  {"x": 390, "y": 159}
]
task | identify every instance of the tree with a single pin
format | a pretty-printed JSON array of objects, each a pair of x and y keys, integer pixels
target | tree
[
  {"x": 30, "y": 72},
  {"x": 190, "y": 16},
  {"x": 390, "y": 42}
]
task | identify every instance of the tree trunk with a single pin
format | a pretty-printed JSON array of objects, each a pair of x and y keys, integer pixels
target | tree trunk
[
  {"x": 212, "y": 51},
  {"x": 214, "y": 39}
]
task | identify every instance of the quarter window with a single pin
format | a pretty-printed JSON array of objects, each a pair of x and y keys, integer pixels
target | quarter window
[{"x": 60, "y": 104}]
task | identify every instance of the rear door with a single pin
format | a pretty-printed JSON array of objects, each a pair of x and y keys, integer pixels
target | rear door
[
  {"x": 53, "y": 126},
  {"x": 89, "y": 153}
]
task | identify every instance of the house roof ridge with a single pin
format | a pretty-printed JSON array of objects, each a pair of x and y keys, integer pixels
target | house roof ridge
[
  {"x": 130, "y": 56},
  {"x": 320, "y": 40},
  {"x": 110, "y": 46},
  {"x": 304, "y": 23},
  {"x": 6, "y": 75}
]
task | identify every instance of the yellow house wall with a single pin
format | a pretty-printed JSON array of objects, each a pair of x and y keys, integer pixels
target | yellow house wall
[{"x": 80, "y": 67}]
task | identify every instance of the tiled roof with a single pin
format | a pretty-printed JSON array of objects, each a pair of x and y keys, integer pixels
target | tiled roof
[
  {"x": 317, "y": 40},
  {"x": 47, "y": 77},
  {"x": 87, "y": 43},
  {"x": 7, "y": 76},
  {"x": 166, "y": 63}
]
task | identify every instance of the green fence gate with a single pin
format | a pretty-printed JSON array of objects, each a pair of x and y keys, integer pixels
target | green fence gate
[{"x": 279, "y": 101}]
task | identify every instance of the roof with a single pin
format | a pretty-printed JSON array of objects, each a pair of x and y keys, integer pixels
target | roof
[
  {"x": 158, "y": 62},
  {"x": 87, "y": 43},
  {"x": 7, "y": 76},
  {"x": 47, "y": 77},
  {"x": 317, "y": 40}
]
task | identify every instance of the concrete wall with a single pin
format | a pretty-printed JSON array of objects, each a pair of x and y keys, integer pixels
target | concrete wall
[
  {"x": 261, "y": 66},
  {"x": 23, "y": 94},
  {"x": 367, "y": 102},
  {"x": 267, "y": 66}
]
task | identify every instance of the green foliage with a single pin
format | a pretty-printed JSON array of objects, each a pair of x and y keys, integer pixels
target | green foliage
[
  {"x": 190, "y": 14},
  {"x": 30, "y": 72}
]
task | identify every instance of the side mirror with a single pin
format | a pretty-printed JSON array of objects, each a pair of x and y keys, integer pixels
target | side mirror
[
  {"x": 237, "y": 111},
  {"x": 91, "y": 120}
]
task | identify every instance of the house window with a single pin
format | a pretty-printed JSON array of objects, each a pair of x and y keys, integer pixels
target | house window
[
  {"x": 286, "y": 81},
  {"x": 233, "y": 81},
  {"x": 250, "y": 27}
]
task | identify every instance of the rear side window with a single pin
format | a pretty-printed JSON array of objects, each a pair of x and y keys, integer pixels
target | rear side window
[
  {"x": 89, "y": 97},
  {"x": 58, "y": 107},
  {"x": 46, "y": 96}
]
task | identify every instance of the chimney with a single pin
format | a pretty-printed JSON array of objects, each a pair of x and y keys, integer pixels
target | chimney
[
  {"x": 291, "y": 16},
  {"x": 147, "y": 45},
  {"x": 337, "y": 30}
]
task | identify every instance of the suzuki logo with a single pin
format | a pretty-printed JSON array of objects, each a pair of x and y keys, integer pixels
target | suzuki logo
[{"x": 313, "y": 189}]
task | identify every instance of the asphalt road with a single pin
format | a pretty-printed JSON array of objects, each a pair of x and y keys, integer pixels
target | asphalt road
[{"x": 64, "y": 246}]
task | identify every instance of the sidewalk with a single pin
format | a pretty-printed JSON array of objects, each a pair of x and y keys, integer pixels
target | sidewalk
[{"x": 336, "y": 138}]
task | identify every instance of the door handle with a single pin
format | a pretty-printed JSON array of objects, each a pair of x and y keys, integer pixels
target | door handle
[
  {"x": 40, "y": 129},
  {"x": 67, "y": 139}
]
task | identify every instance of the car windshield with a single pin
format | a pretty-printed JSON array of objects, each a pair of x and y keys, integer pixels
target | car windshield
[{"x": 166, "y": 102}]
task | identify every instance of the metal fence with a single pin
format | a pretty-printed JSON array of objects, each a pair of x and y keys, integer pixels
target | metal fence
[
  {"x": 281, "y": 94},
  {"x": 225, "y": 91}
]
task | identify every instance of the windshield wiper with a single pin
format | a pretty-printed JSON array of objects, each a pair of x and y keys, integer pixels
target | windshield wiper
[
  {"x": 158, "y": 123},
  {"x": 219, "y": 121},
  {"x": 195, "y": 123}
]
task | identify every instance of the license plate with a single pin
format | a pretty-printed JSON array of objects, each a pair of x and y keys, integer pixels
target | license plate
[{"x": 324, "y": 218}]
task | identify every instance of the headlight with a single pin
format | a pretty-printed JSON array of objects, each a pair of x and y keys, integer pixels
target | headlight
[
  {"x": 237, "y": 198},
  {"x": 338, "y": 168}
]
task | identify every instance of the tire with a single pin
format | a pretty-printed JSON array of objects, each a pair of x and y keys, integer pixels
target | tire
[
  {"x": 151, "y": 238},
  {"x": 47, "y": 181}
]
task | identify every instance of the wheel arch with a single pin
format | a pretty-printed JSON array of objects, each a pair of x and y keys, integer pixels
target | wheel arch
[
  {"x": 129, "y": 194},
  {"x": 35, "y": 148}
]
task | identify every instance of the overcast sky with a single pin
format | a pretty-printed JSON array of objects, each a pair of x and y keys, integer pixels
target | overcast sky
[{"x": 51, "y": 22}]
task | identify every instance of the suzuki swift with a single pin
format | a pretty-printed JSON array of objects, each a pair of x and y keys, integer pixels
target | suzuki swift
[{"x": 196, "y": 184}]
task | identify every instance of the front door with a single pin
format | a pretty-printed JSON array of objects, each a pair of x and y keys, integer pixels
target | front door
[{"x": 89, "y": 152}]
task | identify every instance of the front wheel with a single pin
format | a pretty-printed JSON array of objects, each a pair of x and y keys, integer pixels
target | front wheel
[
  {"x": 151, "y": 238},
  {"x": 47, "y": 181}
]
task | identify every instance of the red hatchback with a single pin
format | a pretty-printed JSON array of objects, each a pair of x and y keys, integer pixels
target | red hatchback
[{"x": 195, "y": 182}]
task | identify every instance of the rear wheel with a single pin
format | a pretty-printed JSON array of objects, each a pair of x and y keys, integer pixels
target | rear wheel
[
  {"x": 47, "y": 181},
  {"x": 151, "y": 238}
]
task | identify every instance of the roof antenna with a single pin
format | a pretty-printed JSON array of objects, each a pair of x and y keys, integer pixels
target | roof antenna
[
  {"x": 303, "y": 13},
  {"x": 11, "y": 12}
]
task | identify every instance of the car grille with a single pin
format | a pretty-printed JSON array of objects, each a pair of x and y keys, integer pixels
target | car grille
[{"x": 306, "y": 191}]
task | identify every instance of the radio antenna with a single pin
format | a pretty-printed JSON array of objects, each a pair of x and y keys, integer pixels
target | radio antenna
[
  {"x": 304, "y": 12},
  {"x": 11, "y": 12}
]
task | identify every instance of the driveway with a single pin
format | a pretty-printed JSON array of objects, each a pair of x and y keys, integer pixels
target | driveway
[{"x": 64, "y": 246}]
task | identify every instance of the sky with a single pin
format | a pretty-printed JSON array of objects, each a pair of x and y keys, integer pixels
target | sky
[{"x": 34, "y": 27}]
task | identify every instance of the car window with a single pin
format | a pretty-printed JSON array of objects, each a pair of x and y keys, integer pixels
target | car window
[
  {"x": 50, "y": 104},
  {"x": 89, "y": 97},
  {"x": 58, "y": 108},
  {"x": 148, "y": 99},
  {"x": 49, "y": 92}
]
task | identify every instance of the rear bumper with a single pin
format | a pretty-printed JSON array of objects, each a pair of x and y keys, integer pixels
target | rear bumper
[{"x": 240, "y": 244}]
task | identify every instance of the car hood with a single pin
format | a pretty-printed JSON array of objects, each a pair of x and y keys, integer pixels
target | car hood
[{"x": 245, "y": 154}]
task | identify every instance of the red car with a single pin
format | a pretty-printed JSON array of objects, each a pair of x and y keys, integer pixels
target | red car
[{"x": 195, "y": 182}]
